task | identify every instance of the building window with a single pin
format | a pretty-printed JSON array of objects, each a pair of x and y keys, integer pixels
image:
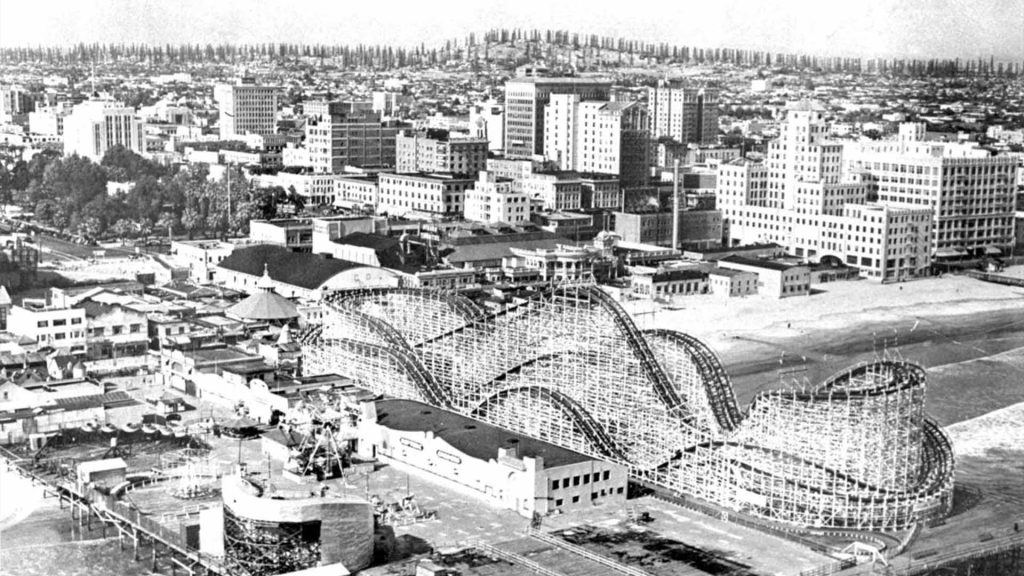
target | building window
[
  {"x": 554, "y": 484},
  {"x": 135, "y": 328},
  {"x": 575, "y": 499},
  {"x": 565, "y": 482},
  {"x": 557, "y": 502},
  {"x": 42, "y": 324},
  {"x": 60, "y": 322},
  {"x": 586, "y": 478},
  {"x": 606, "y": 474},
  {"x": 76, "y": 320}
]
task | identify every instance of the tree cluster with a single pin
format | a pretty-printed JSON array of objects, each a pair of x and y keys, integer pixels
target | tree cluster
[{"x": 70, "y": 194}]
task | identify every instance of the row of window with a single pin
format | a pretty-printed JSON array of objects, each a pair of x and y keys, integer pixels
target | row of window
[
  {"x": 578, "y": 479},
  {"x": 57, "y": 322},
  {"x": 593, "y": 496}
]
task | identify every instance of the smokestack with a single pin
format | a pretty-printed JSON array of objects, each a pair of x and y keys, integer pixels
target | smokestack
[{"x": 675, "y": 203}]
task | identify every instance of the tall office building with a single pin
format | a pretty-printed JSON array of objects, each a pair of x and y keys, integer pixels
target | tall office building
[
  {"x": 598, "y": 136},
  {"x": 801, "y": 200},
  {"x": 525, "y": 99},
  {"x": 435, "y": 150},
  {"x": 15, "y": 100},
  {"x": 96, "y": 125},
  {"x": 970, "y": 191},
  {"x": 340, "y": 134},
  {"x": 685, "y": 113},
  {"x": 246, "y": 108}
]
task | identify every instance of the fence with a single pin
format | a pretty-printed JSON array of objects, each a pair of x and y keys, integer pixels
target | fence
[
  {"x": 830, "y": 568},
  {"x": 995, "y": 278}
]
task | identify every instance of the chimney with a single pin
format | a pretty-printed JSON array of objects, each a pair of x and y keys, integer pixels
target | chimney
[{"x": 675, "y": 204}]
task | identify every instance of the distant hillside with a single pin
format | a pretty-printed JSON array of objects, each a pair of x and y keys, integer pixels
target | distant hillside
[{"x": 499, "y": 47}]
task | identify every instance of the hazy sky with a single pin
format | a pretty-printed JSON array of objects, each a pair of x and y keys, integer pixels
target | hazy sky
[{"x": 922, "y": 28}]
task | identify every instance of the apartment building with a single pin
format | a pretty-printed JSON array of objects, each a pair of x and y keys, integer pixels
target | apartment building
[
  {"x": 340, "y": 134},
  {"x": 491, "y": 199},
  {"x": 48, "y": 325},
  {"x": 800, "y": 199},
  {"x": 970, "y": 191},
  {"x": 434, "y": 194},
  {"x": 436, "y": 150},
  {"x": 525, "y": 99},
  {"x": 598, "y": 136},
  {"x": 687, "y": 114}
]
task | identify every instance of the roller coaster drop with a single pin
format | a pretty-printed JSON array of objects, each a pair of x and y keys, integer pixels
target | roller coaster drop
[{"x": 570, "y": 367}]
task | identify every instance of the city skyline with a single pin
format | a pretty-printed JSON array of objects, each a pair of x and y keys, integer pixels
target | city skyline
[{"x": 885, "y": 28}]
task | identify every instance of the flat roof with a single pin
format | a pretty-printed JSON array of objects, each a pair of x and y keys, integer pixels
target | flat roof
[
  {"x": 765, "y": 264},
  {"x": 471, "y": 437}
]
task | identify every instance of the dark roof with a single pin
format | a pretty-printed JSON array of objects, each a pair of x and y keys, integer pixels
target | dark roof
[
  {"x": 764, "y": 264},
  {"x": 498, "y": 250},
  {"x": 675, "y": 275},
  {"x": 471, "y": 437},
  {"x": 295, "y": 268},
  {"x": 364, "y": 240}
]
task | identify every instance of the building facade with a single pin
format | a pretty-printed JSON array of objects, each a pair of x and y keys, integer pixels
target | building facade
[
  {"x": 970, "y": 192},
  {"x": 801, "y": 199},
  {"x": 598, "y": 136},
  {"x": 246, "y": 108},
  {"x": 95, "y": 126},
  {"x": 436, "y": 194},
  {"x": 687, "y": 114},
  {"x": 525, "y": 98},
  {"x": 492, "y": 200},
  {"x": 345, "y": 134},
  {"x": 440, "y": 151}
]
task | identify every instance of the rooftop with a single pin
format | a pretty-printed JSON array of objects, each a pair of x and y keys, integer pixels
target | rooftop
[
  {"x": 755, "y": 263},
  {"x": 471, "y": 437},
  {"x": 294, "y": 268}
]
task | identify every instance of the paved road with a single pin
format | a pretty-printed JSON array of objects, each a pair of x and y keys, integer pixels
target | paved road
[{"x": 64, "y": 250}]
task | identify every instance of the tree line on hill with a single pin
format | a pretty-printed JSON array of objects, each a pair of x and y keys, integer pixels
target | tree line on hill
[
  {"x": 70, "y": 194},
  {"x": 473, "y": 50}
]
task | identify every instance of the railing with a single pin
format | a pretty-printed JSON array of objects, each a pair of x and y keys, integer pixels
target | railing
[
  {"x": 1011, "y": 541},
  {"x": 580, "y": 551},
  {"x": 994, "y": 278},
  {"x": 517, "y": 559},
  {"x": 830, "y": 568}
]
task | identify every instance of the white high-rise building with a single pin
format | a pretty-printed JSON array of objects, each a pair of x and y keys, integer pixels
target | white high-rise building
[
  {"x": 800, "y": 199},
  {"x": 246, "y": 108},
  {"x": 492, "y": 200},
  {"x": 970, "y": 191},
  {"x": 96, "y": 125},
  {"x": 598, "y": 137}
]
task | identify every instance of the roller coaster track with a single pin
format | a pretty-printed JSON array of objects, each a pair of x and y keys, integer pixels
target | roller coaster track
[
  {"x": 464, "y": 307},
  {"x": 902, "y": 377},
  {"x": 579, "y": 416},
  {"x": 641, "y": 350},
  {"x": 717, "y": 386},
  {"x": 937, "y": 460},
  {"x": 397, "y": 347}
]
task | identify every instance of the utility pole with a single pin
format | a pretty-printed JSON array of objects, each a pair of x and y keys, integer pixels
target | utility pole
[{"x": 675, "y": 203}]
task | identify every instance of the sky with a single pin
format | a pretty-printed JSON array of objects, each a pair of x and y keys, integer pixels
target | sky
[{"x": 911, "y": 28}]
